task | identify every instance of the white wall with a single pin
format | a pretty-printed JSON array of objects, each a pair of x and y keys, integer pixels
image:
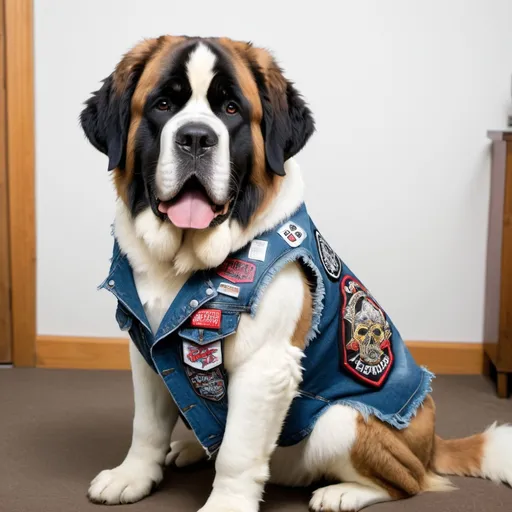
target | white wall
[{"x": 397, "y": 174}]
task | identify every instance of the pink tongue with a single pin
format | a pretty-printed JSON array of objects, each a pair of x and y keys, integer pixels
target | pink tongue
[{"x": 191, "y": 210}]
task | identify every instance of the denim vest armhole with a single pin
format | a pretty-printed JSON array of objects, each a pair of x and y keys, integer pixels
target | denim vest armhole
[{"x": 302, "y": 256}]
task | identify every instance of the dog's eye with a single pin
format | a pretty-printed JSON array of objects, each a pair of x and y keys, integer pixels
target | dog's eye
[
  {"x": 163, "y": 105},
  {"x": 231, "y": 108}
]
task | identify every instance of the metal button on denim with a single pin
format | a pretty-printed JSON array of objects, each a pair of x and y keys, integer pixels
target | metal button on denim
[
  {"x": 209, "y": 291},
  {"x": 111, "y": 283},
  {"x": 194, "y": 303}
]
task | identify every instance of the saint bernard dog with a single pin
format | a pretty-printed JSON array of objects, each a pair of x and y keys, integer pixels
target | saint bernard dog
[{"x": 245, "y": 323}]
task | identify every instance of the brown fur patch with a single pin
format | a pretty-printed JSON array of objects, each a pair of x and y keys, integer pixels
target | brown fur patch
[
  {"x": 396, "y": 460},
  {"x": 150, "y": 54},
  {"x": 306, "y": 317},
  {"x": 459, "y": 456}
]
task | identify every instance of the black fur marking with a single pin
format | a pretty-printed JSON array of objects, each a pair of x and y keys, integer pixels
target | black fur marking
[
  {"x": 106, "y": 116},
  {"x": 286, "y": 129}
]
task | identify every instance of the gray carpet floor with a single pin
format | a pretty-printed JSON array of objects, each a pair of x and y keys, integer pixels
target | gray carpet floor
[{"x": 59, "y": 428}]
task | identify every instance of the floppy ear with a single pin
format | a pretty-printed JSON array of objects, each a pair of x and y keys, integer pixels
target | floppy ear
[
  {"x": 106, "y": 116},
  {"x": 287, "y": 121},
  {"x": 105, "y": 121}
]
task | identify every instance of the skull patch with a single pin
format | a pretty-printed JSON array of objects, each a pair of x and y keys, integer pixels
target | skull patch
[{"x": 365, "y": 335}]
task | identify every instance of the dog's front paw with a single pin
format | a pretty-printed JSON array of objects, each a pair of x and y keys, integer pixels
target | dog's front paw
[
  {"x": 229, "y": 503},
  {"x": 128, "y": 483},
  {"x": 185, "y": 453}
]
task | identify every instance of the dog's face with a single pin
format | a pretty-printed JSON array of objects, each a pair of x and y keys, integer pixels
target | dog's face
[{"x": 197, "y": 129}]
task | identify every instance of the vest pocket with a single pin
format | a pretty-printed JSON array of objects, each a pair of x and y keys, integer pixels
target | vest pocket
[{"x": 229, "y": 325}]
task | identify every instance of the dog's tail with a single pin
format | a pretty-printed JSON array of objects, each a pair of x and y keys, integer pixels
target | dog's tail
[{"x": 486, "y": 455}]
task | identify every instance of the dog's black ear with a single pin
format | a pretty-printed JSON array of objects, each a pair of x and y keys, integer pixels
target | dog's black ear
[
  {"x": 106, "y": 116},
  {"x": 105, "y": 121},
  {"x": 287, "y": 121}
]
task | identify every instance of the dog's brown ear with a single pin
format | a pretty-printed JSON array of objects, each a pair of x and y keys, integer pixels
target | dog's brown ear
[
  {"x": 287, "y": 121},
  {"x": 106, "y": 116}
]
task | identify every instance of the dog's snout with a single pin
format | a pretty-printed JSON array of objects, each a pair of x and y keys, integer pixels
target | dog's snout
[{"x": 196, "y": 138}]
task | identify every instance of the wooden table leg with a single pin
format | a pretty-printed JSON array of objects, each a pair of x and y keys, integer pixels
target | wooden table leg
[
  {"x": 487, "y": 365},
  {"x": 502, "y": 384}
]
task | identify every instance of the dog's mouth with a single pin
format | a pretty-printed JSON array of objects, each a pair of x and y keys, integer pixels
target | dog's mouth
[{"x": 192, "y": 207}]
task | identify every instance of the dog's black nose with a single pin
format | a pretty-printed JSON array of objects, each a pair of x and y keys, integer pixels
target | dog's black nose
[{"x": 196, "y": 138}]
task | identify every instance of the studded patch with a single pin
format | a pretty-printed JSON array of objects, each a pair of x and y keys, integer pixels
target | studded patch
[
  {"x": 237, "y": 271},
  {"x": 365, "y": 335},
  {"x": 202, "y": 357},
  {"x": 209, "y": 385},
  {"x": 330, "y": 260}
]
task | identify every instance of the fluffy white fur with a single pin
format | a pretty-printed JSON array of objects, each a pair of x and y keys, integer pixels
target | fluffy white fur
[
  {"x": 155, "y": 417},
  {"x": 497, "y": 460}
]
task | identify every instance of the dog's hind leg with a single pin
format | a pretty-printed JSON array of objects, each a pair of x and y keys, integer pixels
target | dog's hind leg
[{"x": 371, "y": 461}]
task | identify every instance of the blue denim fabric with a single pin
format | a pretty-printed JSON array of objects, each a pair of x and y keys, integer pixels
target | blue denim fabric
[{"x": 325, "y": 382}]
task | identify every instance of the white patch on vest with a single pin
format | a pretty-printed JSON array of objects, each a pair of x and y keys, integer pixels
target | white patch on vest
[
  {"x": 258, "y": 250},
  {"x": 292, "y": 234},
  {"x": 229, "y": 289},
  {"x": 202, "y": 357}
]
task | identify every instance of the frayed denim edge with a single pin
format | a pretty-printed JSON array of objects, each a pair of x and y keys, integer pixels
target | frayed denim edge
[
  {"x": 318, "y": 293},
  {"x": 396, "y": 420}
]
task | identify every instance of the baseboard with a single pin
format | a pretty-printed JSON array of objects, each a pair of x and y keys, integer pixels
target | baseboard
[
  {"x": 82, "y": 353},
  {"x": 448, "y": 358},
  {"x": 112, "y": 354}
]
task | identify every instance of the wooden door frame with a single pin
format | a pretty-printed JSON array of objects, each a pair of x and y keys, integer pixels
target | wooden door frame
[
  {"x": 20, "y": 149},
  {"x": 5, "y": 273}
]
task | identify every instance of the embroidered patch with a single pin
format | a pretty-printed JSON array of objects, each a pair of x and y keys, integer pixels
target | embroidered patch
[
  {"x": 292, "y": 234},
  {"x": 330, "y": 260},
  {"x": 365, "y": 335},
  {"x": 258, "y": 250},
  {"x": 229, "y": 289},
  {"x": 209, "y": 385},
  {"x": 237, "y": 271},
  {"x": 202, "y": 357},
  {"x": 207, "y": 318}
]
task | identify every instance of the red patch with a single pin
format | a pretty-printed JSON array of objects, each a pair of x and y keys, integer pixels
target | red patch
[
  {"x": 207, "y": 318},
  {"x": 237, "y": 271},
  {"x": 365, "y": 335}
]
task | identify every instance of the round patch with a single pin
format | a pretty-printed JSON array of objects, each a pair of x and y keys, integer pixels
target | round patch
[{"x": 330, "y": 260}]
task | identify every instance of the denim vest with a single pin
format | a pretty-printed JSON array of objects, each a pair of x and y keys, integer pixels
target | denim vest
[{"x": 355, "y": 355}]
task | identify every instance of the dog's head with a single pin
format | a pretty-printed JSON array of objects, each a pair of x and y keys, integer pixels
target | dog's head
[{"x": 197, "y": 129}]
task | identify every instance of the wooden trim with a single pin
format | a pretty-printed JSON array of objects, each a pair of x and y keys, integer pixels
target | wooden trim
[
  {"x": 20, "y": 168},
  {"x": 5, "y": 273},
  {"x": 82, "y": 353},
  {"x": 500, "y": 135},
  {"x": 449, "y": 358},
  {"x": 112, "y": 354}
]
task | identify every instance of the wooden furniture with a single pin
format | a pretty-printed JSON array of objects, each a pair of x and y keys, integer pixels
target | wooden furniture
[{"x": 498, "y": 293}]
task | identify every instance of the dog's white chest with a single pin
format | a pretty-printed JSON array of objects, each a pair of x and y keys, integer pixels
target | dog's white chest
[{"x": 157, "y": 290}]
